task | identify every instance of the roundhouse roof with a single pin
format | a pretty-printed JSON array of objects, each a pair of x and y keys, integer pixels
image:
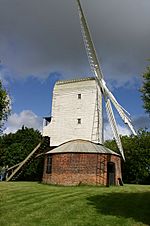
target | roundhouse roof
[{"x": 81, "y": 146}]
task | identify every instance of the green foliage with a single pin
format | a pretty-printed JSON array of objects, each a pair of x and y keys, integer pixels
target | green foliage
[
  {"x": 146, "y": 90},
  {"x": 14, "y": 148},
  {"x": 136, "y": 168},
  {"x": 4, "y": 105},
  {"x": 31, "y": 204}
]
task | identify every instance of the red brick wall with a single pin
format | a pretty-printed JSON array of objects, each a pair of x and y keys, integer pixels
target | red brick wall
[{"x": 77, "y": 168}]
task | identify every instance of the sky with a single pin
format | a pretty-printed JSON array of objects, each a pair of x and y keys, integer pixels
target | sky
[{"x": 41, "y": 42}]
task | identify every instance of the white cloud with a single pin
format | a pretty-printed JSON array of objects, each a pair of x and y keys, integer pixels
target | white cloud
[
  {"x": 26, "y": 118},
  {"x": 108, "y": 134}
]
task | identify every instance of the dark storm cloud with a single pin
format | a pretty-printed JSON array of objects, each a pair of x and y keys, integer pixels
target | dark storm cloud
[{"x": 41, "y": 36}]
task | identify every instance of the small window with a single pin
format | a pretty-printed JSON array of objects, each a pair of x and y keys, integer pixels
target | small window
[
  {"x": 79, "y": 96},
  {"x": 79, "y": 120},
  {"x": 49, "y": 165}
]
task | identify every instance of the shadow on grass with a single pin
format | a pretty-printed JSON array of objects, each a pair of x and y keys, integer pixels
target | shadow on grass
[{"x": 127, "y": 205}]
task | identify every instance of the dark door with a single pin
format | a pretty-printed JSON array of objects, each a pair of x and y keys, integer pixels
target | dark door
[{"x": 111, "y": 173}]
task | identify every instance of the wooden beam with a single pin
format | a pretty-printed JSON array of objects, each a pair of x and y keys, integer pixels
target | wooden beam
[{"x": 23, "y": 162}]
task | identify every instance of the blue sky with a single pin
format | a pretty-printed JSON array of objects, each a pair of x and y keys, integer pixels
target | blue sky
[
  {"x": 33, "y": 94},
  {"x": 41, "y": 42}
]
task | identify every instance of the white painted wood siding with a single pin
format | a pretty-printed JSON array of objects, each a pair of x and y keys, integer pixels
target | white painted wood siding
[{"x": 67, "y": 109}]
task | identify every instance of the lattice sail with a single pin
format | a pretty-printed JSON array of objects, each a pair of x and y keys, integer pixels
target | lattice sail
[{"x": 89, "y": 45}]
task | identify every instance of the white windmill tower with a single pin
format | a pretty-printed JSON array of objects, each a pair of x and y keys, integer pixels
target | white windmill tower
[{"x": 104, "y": 91}]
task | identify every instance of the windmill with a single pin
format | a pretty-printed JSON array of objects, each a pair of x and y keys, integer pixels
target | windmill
[{"x": 104, "y": 91}]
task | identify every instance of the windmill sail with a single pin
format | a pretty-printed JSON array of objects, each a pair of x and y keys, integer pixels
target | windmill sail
[
  {"x": 91, "y": 52},
  {"x": 108, "y": 96},
  {"x": 122, "y": 112},
  {"x": 114, "y": 126},
  {"x": 93, "y": 61}
]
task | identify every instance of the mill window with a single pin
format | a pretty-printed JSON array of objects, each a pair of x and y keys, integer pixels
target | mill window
[
  {"x": 79, "y": 120},
  {"x": 49, "y": 165},
  {"x": 79, "y": 96}
]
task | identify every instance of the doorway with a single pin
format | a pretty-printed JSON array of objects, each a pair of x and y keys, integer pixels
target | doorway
[{"x": 111, "y": 174}]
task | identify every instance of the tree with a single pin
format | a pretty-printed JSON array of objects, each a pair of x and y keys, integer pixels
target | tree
[
  {"x": 14, "y": 148},
  {"x": 145, "y": 90},
  {"x": 4, "y": 105},
  {"x": 136, "y": 168}
]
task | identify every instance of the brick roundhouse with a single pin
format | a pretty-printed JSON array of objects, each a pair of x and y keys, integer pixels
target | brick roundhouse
[{"x": 82, "y": 162}]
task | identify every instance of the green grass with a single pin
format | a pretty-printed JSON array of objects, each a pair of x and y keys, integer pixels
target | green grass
[{"x": 30, "y": 203}]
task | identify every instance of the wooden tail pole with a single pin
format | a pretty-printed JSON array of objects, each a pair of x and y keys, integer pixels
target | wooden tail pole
[
  {"x": 23, "y": 162},
  {"x": 12, "y": 167}
]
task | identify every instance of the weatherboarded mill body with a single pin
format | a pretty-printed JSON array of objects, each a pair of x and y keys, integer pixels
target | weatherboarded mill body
[
  {"x": 77, "y": 155},
  {"x": 76, "y": 112}
]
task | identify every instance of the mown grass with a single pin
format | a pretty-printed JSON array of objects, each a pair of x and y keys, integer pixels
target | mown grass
[{"x": 30, "y": 203}]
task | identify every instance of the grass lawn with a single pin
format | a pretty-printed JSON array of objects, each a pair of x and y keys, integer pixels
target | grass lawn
[{"x": 30, "y": 203}]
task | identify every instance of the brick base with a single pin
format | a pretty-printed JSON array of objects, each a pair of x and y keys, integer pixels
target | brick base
[{"x": 81, "y": 168}]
